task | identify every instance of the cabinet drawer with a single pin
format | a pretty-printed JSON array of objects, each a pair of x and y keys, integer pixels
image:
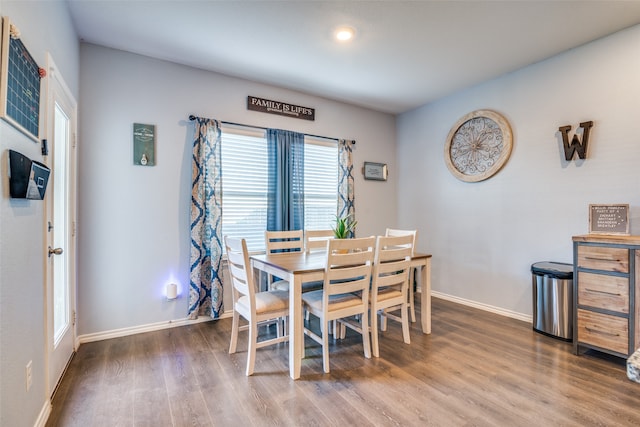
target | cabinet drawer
[
  {"x": 601, "y": 291},
  {"x": 603, "y": 258},
  {"x": 604, "y": 331}
]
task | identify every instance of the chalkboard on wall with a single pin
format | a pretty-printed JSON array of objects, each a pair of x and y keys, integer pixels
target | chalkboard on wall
[{"x": 19, "y": 83}]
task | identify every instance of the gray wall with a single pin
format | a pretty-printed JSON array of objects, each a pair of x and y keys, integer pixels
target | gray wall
[
  {"x": 44, "y": 27},
  {"x": 485, "y": 236},
  {"x": 134, "y": 221}
]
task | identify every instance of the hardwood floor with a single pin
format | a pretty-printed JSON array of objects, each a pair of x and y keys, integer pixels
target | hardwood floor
[{"x": 475, "y": 369}]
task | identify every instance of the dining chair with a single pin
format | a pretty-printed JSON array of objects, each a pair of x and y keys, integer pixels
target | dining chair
[
  {"x": 345, "y": 291},
  {"x": 316, "y": 240},
  {"x": 255, "y": 307},
  {"x": 282, "y": 241},
  {"x": 389, "y": 283},
  {"x": 414, "y": 233},
  {"x": 289, "y": 241}
]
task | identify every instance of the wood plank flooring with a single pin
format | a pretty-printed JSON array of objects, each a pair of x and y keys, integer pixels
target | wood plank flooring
[{"x": 475, "y": 369}]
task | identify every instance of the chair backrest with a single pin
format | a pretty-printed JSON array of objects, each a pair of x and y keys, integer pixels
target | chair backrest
[
  {"x": 284, "y": 241},
  {"x": 391, "y": 263},
  {"x": 239, "y": 269},
  {"x": 317, "y": 239},
  {"x": 348, "y": 268},
  {"x": 397, "y": 232}
]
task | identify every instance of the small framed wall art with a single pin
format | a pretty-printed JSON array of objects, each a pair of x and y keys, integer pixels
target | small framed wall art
[
  {"x": 144, "y": 141},
  {"x": 375, "y": 171},
  {"x": 609, "y": 219}
]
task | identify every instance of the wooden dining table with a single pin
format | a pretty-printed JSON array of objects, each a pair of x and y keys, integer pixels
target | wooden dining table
[{"x": 301, "y": 267}]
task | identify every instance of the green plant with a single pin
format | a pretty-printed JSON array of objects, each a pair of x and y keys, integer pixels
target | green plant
[{"x": 344, "y": 226}]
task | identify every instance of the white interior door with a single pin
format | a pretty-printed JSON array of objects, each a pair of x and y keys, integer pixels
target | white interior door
[{"x": 60, "y": 227}]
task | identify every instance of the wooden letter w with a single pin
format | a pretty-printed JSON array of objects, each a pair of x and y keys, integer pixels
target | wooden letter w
[{"x": 575, "y": 145}]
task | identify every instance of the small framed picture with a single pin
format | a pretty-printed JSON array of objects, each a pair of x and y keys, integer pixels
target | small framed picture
[
  {"x": 144, "y": 141},
  {"x": 375, "y": 171},
  {"x": 609, "y": 219}
]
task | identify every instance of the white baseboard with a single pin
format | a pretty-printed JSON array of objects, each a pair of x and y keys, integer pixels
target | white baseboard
[
  {"x": 115, "y": 333},
  {"x": 123, "y": 332},
  {"x": 490, "y": 308},
  {"x": 44, "y": 415}
]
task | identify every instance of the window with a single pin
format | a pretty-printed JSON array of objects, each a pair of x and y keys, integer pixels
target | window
[
  {"x": 244, "y": 184},
  {"x": 320, "y": 183}
]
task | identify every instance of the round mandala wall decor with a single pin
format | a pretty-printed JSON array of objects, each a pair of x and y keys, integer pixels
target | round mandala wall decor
[{"x": 478, "y": 145}]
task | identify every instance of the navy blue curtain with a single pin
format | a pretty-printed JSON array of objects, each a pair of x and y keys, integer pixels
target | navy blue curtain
[{"x": 285, "y": 201}]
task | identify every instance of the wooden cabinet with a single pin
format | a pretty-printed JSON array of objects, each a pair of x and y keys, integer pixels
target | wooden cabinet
[{"x": 606, "y": 293}]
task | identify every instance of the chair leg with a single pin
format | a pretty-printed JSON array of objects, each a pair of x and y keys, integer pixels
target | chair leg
[
  {"x": 405, "y": 324},
  {"x": 339, "y": 330},
  {"x": 251, "y": 353},
  {"x": 234, "y": 332},
  {"x": 383, "y": 321},
  {"x": 281, "y": 327},
  {"x": 411, "y": 298},
  {"x": 364, "y": 326},
  {"x": 300, "y": 339},
  {"x": 374, "y": 334},
  {"x": 325, "y": 347}
]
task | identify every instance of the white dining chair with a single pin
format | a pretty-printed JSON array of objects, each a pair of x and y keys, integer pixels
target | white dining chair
[
  {"x": 282, "y": 241},
  {"x": 414, "y": 233},
  {"x": 345, "y": 291},
  {"x": 389, "y": 285},
  {"x": 255, "y": 307},
  {"x": 316, "y": 240}
]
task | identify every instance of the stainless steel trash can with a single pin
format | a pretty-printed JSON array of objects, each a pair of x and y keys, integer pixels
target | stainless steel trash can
[{"x": 553, "y": 299}]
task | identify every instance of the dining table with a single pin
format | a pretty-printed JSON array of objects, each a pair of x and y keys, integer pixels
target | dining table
[{"x": 300, "y": 267}]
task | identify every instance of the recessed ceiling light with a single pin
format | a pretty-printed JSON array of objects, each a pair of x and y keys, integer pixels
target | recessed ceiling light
[{"x": 344, "y": 34}]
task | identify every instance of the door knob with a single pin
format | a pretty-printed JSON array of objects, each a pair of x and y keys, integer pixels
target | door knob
[{"x": 56, "y": 251}]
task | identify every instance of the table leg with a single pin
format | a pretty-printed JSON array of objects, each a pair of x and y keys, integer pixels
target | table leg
[
  {"x": 296, "y": 333},
  {"x": 425, "y": 309}
]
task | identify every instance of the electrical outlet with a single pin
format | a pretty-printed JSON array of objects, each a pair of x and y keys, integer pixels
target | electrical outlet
[{"x": 29, "y": 374}]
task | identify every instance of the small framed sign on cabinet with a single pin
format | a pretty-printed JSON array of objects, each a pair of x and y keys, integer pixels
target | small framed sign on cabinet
[{"x": 609, "y": 219}]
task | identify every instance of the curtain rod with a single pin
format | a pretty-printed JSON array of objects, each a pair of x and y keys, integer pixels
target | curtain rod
[{"x": 192, "y": 118}]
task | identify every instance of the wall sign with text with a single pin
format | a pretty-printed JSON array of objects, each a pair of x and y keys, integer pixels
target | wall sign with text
[
  {"x": 144, "y": 142},
  {"x": 375, "y": 171},
  {"x": 280, "y": 108}
]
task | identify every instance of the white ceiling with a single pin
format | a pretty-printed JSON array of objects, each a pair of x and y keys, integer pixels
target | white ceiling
[{"x": 405, "y": 53}]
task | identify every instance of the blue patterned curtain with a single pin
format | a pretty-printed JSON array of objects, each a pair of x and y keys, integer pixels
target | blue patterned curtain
[
  {"x": 346, "y": 198},
  {"x": 285, "y": 193},
  {"x": 205, "y": 291}
]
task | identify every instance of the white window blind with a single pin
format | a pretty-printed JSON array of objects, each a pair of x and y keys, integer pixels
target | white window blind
[
  {"x": 320, "y": 184},
  {"x": 244, "y": 185}
]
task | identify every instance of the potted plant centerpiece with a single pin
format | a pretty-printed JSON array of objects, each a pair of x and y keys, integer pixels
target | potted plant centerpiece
[{"x": 344, "y": 226}]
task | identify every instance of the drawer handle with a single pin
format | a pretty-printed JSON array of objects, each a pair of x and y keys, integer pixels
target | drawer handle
[
  {"x": 597, "y": 291},
  {"x": 596, "y": 331},
  {"x": 593, "y": 258}
]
